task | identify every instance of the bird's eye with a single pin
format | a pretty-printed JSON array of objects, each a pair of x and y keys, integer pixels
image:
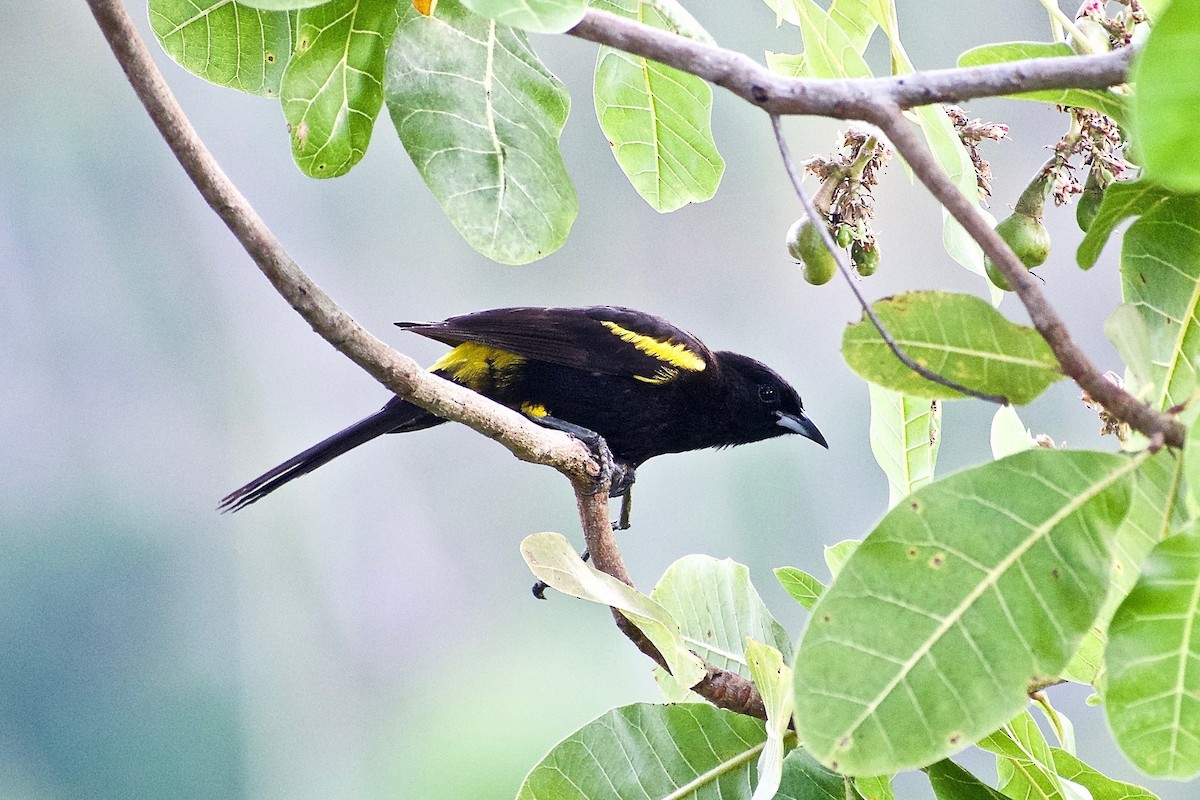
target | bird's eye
[{"x": 768, "y": 394}]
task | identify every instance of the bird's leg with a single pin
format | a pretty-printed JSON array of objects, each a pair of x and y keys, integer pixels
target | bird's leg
[{"x": 620, "y": 477}]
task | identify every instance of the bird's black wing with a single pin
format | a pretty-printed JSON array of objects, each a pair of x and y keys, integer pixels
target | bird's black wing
[{"x": 605, "y": 339}]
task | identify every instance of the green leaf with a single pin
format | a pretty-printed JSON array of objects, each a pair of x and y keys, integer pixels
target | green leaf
[
  {"x": 1103, "y": 100},
  {"x": 281, "y": 5},
  {"x": 1009, "y": 435},
  {"x": 773, "y": 679},
  {"x": 1099, "y": 785},
  {"x": 805, "y": 779},
  {"x": 657, "y": 119},
  {"x": 952, "y": 782},
  {"x": 1166, "y": 110},
  {"x": 644, "y": 750},
  {"x": 717, "y": 609},
  {"x": 963, "y": 595},
  {"x": 1025, "y": 766},
  {"x": 789, "y": 64},
  {"x": 333, "y": 86},
  {"x": 552, "y": 559},
  {"x": 836, "y": 555},
  {"x": 1128, "y": 332},
  {"x": 804, "y": 588},
  {"x": 1160, "y": 274},
  {"x": 905, "y": 435},
  {"x": 480, "y": 116},
  {"x": 539, "y": 16},
  {"x": 878, "y": 787},
  {"x": 854, "y": 17},
  {"x": 956, "y": 335},
  {"x": 1121, "y": 201},
  {"x": 947, "y": 148},
  {"x": 828, "y": 51},
  {"x": 229, "y": 44},
  {"x": 1153, "y": 662}
]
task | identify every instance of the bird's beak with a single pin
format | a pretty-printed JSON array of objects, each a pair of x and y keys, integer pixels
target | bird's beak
[{"x": 798, "y": 423}]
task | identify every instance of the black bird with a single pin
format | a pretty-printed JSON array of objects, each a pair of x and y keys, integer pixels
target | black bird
[{"x": 634, "y": 379}]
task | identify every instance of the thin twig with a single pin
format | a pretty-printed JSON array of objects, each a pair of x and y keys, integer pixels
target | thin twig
[
  {"x": 839, "y": 256},
  {"x": 397, "y": 372}
]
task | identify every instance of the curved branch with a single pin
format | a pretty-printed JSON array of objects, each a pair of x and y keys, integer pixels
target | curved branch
[
  {"x": 850, "y": 98},
  {"x": 1074, "y": 362},
  {"x": 399, "y": 373}
]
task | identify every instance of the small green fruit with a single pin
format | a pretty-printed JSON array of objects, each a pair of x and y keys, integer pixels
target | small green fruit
[
  {"x": 1028, "y": 238},
  {"x": 845, "y": 235},
  {"x": 865, "y": 259},
  {"x": 1088, "y": 205},
  {"x": 1096, "y": 35},
  {"x": 805, "y": 244}
]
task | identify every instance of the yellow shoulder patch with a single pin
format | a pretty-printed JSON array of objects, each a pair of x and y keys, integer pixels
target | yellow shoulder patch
[
  {"x": 478, "y": 366},
  {"x": 676, "y": 355},
  {"x": 534, "y": 410}
]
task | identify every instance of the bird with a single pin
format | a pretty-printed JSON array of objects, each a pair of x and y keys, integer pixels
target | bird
[{"x": 642, "y": 385}]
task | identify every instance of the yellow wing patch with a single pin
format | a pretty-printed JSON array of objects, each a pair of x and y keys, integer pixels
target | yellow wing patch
[
  {"x": 675, "y": 355},
  {"x": 534, "y": 410},
  {"x": 477, "y": 365}
]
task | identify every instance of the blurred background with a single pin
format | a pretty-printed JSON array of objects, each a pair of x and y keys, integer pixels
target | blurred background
[{"x": 368, "y": 632}]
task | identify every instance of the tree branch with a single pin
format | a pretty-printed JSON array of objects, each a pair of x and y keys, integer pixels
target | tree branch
[
  {"x": 847, "y": 99},
  {"x": 1074, "y": 362},
  {"x": 399, "y": 373},
  {"x": 880, "y": 101}
]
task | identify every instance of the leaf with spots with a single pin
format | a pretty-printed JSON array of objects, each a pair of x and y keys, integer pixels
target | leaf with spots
[
  {"x": 480, "y": 116},
  {"x": 227, "y": 43},
  {"x": 643, "y": 750},
  {"x": 333, "y": 86},
  {"x": 962, "y": 595},
  {"x": 1153, "y": 662},
  {"x": 657, "y": 118},
  {"x": 956, "y": 335}
]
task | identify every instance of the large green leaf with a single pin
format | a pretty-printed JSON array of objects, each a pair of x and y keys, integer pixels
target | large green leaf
[
  {"x": 1103, "y": 100},
  {"x": 905, "y": 435},
  {"x": 773, "y": 679},
  {"x": 227, "y": 43},
  {"x": 540, "y": 16},
  {"x": 1166, "y": 109},
  {"x": 657, "y": 119},
  {"x": 480, "y": 116},
  {"x": 956, "y": 335},
  {"x": 281, "y": 5},
  {"x": 1121, "y": 201},
  {"x": 1153, "y": 662},
  {"x": 717, "y": 609},
  {"x": 651, "y": 751},
  {"x": 333, "y": 87},
  {"x": 1160, "y": 275},
  {"x": 828, "y": 50},
  {"x": 972, "y": 588}
]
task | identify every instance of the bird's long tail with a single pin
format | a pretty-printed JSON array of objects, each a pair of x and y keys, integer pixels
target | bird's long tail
[{"x": 397, "y": 416}]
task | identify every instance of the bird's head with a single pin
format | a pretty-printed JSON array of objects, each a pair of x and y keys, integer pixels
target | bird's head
[{"x": 763, "y": 404}]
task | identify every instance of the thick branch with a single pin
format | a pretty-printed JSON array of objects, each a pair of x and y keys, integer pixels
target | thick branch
[
  {"x": 848, "y": 99},
  {"x": 1074, "y": 362},
  {"x": 397, "y": 372}
]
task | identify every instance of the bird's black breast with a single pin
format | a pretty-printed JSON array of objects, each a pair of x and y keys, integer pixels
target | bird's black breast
[{"x": 637, "y": 419}]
